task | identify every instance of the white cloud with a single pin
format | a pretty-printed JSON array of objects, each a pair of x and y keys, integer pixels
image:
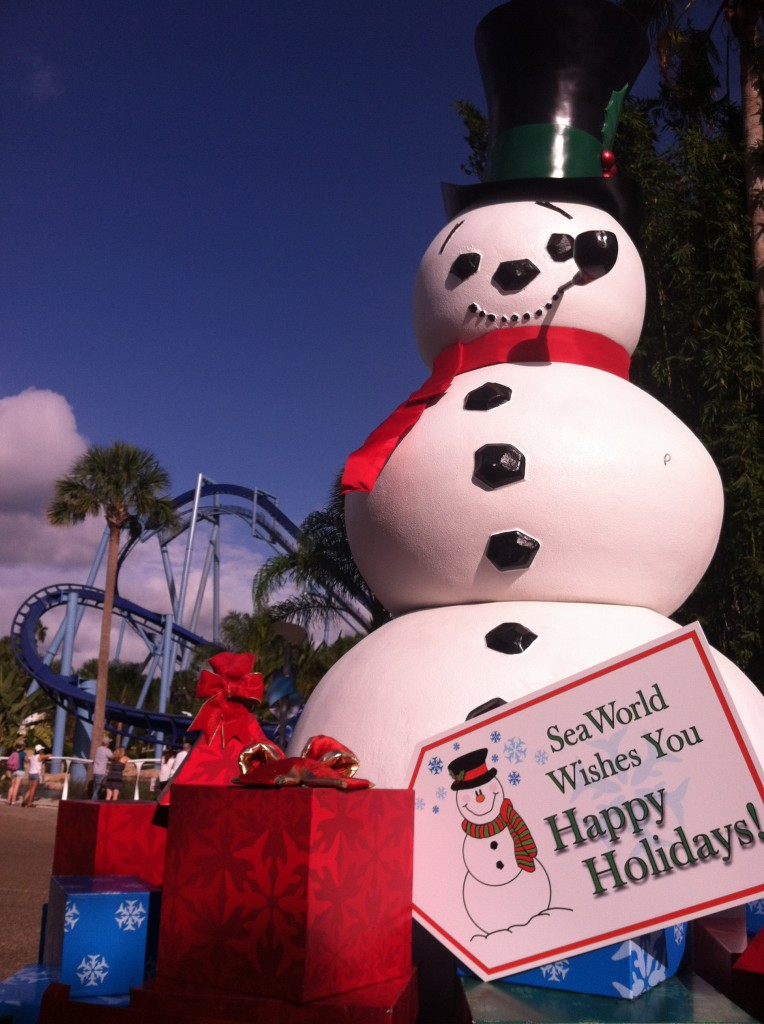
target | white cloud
[{"x": 39, "y": 441}]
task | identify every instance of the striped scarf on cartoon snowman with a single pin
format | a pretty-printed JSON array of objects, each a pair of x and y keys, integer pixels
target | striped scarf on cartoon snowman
[{"x": 525, "y": 848}]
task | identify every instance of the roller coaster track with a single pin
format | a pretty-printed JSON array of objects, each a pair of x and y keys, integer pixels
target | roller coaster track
[
  {"x": 169, "y": 642},
  {"x": 64, "y": 690}
]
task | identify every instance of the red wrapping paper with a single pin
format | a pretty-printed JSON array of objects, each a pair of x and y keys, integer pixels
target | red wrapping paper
[
  {"x": 109, "y": 838},
  {"x": 293, "y": 893}
]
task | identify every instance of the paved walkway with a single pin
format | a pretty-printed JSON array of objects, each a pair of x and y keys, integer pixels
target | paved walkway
[{"x": 27, "y": 836}]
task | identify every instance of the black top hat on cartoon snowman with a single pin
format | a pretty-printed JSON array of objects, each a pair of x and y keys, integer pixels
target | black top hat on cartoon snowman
[
  {"x": 555, "y": 73},
  {"x": 470, "y": 770}
]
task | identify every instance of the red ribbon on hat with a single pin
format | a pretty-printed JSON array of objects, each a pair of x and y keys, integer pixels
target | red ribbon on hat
[
  {"x": 323, "y": 762},
  {"x": 232, "y": 682}
]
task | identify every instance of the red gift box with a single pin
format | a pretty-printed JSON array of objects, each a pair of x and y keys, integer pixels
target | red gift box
[
  {"x": 109, "y": 838},
  {"x": 295, "y": 893},
  {"x": 389, "y": 1002}
]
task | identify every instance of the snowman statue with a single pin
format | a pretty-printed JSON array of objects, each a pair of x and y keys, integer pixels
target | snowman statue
[
  {"x": 506, "y": 885},
  {"x": 527, "y": 513}
]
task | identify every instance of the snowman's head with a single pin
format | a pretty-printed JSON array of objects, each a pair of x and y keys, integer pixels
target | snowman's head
[
  {"x": 481, "y": 804},
  {"x": 511, "y": 264}
]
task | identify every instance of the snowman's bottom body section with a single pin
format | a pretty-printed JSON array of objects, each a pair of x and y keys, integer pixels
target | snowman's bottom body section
[{"x": 424, "y": 672}]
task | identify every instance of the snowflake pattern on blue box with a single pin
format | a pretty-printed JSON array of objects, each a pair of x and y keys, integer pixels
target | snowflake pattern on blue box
[
  {"x": 514, "y": 778},
  {"x": 541, "y": 757},
  {"x": 440, "y": 792},
  {"x": 556, "y": 971},
  {"x": 435, "y": 766},
  {"x": 71, "y": 916},
  {"x": 93, "y": 970},
  {"x": 130, "y": 915},
  {"x": 648, "y": 964},
  {"x": 495, "y": 737},
  {"x": 420, "y": 803}
]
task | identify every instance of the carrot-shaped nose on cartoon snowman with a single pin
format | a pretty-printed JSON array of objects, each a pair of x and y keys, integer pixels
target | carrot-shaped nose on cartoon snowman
[{"x": 506, "y": 885}]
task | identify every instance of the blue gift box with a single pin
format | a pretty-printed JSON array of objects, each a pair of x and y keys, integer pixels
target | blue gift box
[
  {"x": 754, "y": 917},
  {"x": 21, "y": 994},
  {"x": 624, "y": 970},
  {"x": 101, "y": 932}
]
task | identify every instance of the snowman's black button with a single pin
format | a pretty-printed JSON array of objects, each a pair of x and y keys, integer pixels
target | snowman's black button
[
  {"x": 511, "y": 550},
  {"x": 494, "y": 845},
  {"x": 498, "y": 464},
  {"x": 510, "y": 638},
  {"x": 514, "y": 275},
  {"x": 500, "y": 865},
  {"x": 488, "y": 396}
]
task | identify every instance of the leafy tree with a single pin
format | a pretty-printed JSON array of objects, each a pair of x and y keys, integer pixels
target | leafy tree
[
  {"x": 691, "y": 39},
  {"x": 15, "y": 705},
  {"x": 128, "y": 487},
  {"x": 321, "y": 567}
]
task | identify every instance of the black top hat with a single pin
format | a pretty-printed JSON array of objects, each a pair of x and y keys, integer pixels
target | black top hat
[
  {"x": 469, "y": 771},
  {"x": 555, "y": 73}
]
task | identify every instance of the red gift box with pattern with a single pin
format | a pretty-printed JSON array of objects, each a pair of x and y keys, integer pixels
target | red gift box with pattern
[
  {"x": 95, "y": 837},
  {"x": 296, "y": 893}
]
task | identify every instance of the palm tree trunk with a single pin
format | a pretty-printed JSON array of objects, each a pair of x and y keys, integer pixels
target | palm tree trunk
[
  {"x": 746, "y": 27},
  {"x": 104, "y": 646}
]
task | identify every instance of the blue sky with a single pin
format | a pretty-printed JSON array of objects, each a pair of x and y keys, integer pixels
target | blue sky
[{"x": 210, "y": 219}]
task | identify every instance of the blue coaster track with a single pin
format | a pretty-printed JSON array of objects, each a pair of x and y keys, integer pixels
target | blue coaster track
[{"x": 168, "y": 641}]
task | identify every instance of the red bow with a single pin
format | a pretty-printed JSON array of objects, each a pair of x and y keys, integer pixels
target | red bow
[
  {"x": 233, "y": 681},
  {"x": 324, "y": 762}
]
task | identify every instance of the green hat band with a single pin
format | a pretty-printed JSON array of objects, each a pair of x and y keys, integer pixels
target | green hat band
[{"x": 544, "y": 151}]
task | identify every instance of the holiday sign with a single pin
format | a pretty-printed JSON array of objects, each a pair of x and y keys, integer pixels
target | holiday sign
[{"x": 616, "y": 802}]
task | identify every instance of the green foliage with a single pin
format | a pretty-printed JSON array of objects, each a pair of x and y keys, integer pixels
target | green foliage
[
  {"x": 125, "y": 484},
  {"x": 328, "y": 585},
  {"x": 15, "y": 706}
]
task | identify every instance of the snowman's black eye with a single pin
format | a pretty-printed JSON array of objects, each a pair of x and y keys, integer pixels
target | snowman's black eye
[
  {"x": 466, "y": 265},
  {"x": 512, "y": 275},
  {"x": 560, "y": 247}
]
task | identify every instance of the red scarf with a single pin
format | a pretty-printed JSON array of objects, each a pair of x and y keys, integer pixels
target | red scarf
[
  {"x": 525, "y": 848},
  {"x": 506, "y": 345}
]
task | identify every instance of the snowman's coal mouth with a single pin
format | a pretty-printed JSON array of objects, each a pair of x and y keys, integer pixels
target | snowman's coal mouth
[{"x": 512, "y": 319}]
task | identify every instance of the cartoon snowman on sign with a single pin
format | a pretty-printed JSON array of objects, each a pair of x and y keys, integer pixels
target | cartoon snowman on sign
[
  {"x": 506, "y": 885},
  {"x": 528, "y": 512}
]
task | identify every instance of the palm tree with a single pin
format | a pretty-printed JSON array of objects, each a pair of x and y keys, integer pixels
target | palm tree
[
  {"x": 330, "y": 587},
  {"x": 128, "y": 487}
]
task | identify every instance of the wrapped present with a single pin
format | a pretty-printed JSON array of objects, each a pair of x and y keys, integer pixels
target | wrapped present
[
  {"x": 225, "y": 721},
  {"x": 624, "y": 970},
  {"x": 754, "y": 917},
  {"x": 101, "y": 932},
  {"x": 729, "y": 959},
  {"x": 96, "y": 837},
  {"x": 296, "y": 893},
  {"x": 22, "y": 994},
  {"x": 389, "y": 1002}
]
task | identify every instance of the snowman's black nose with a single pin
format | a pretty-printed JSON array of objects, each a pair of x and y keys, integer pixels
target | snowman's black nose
[
  {"x": 595, "y": 253},
  {"x": 514, "y": 275}
]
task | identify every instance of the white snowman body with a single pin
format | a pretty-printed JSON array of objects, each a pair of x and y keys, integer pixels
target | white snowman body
[
  {"x": 606, "y": 521},
  {"x": 498, "y": 895}
]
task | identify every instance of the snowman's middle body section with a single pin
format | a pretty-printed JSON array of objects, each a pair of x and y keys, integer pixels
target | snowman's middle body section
[{"x": 624, "y": 502}]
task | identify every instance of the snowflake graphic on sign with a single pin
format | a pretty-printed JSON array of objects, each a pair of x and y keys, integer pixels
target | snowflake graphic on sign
[
  {"x": 515, "y": 750},
  {"x": 130, "y": 915},
  {"x": 71, "y": 916},
  {"x": 93, "y": 970}
]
